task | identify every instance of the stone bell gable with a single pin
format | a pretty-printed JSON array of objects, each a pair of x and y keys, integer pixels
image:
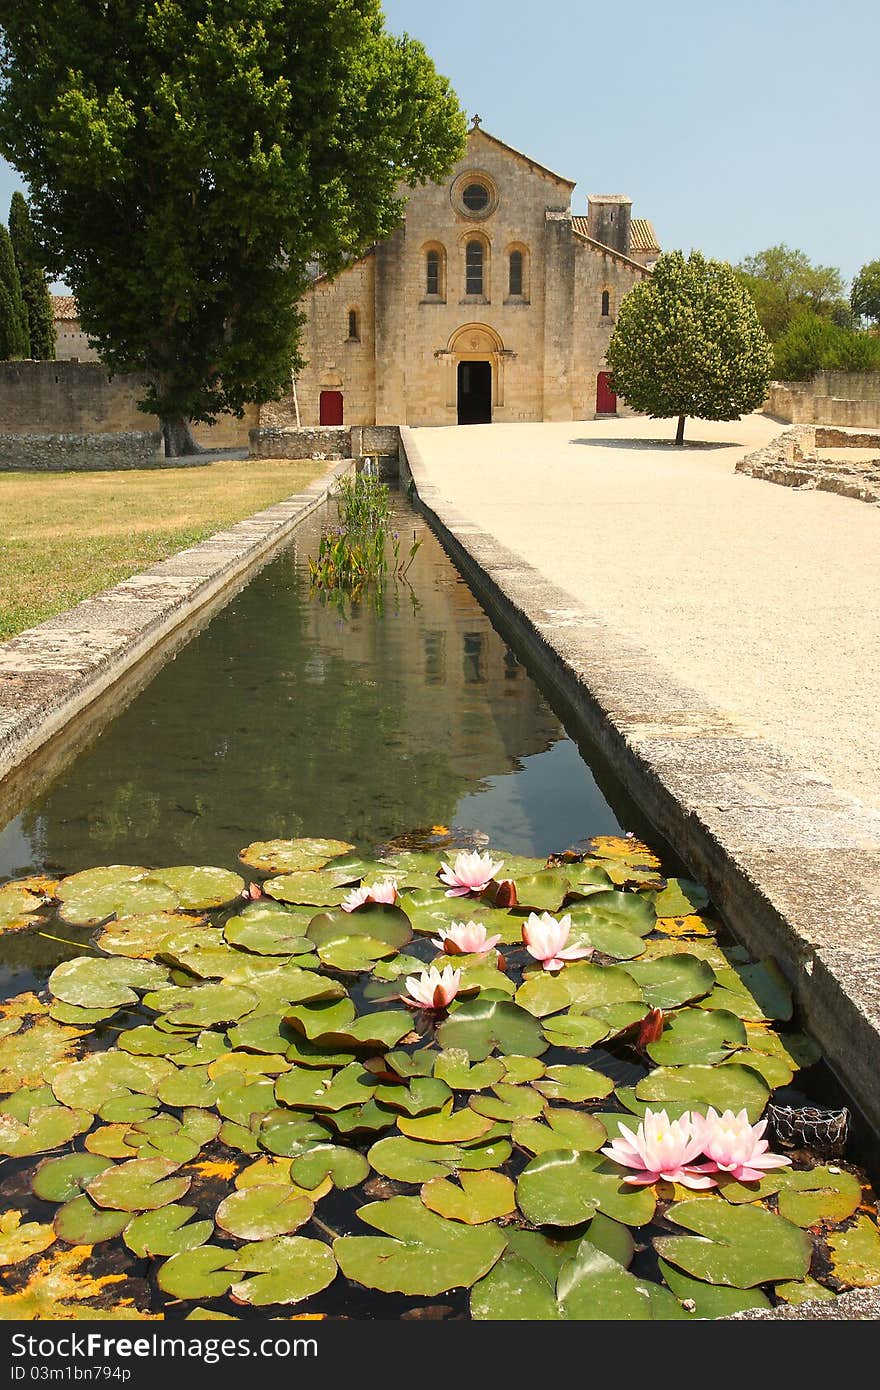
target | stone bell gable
[{"x": 491, "y": 301}]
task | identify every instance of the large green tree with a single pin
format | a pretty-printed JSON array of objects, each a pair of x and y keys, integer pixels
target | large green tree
[
  {"x": 34, "y": 289},
  {"x": 785, "y": 283},
  {"x": 688, "y": 342},
  {"x": 13, "y": 314},
  {"x": 865, "y": 293},
  {"x": 188, "y": 159}
]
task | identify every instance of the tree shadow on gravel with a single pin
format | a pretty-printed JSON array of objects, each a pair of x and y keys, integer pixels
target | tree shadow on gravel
[{"x": 658, "y": 444}]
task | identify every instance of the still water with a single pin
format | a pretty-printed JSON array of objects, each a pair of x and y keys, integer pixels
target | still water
[{"x": 287, "y": 716}]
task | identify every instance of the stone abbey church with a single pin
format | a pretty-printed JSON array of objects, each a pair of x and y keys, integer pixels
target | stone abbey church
[{"x": 491, "y": 302}]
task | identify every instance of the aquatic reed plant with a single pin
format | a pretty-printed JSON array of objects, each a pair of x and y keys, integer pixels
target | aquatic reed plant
[{"x": 355, "y": 553}]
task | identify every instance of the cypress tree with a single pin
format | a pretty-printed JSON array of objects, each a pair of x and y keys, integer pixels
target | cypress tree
[
  {"x": 14, "y": 341},
  {"x": 34, "y": 289}
]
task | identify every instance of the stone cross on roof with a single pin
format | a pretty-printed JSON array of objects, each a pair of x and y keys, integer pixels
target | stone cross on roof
[{"x": 476, "y": 122}]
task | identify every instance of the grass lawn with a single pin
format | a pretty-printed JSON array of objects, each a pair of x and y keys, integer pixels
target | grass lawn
[{"x": 64, "y": 536}]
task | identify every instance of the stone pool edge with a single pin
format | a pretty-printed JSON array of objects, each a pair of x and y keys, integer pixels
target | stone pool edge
[
  {"x": 50, "y": 673},
  {"x": 764, "y": 835}
]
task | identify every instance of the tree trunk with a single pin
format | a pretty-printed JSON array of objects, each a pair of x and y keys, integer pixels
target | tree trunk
[
  {"x": 679, "y": 433},
  {"x": 178, "y": 437}
]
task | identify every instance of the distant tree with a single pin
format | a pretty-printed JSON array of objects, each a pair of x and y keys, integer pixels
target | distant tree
[
  {"x": 14, "y": 341},
  {"x": 865, "y": 293},
  {"x": 688, "y": 342},
  {"x": 34, "y": 289},
  {"x": 783, "y": 282},
  {"x": 188, "y": 159}
]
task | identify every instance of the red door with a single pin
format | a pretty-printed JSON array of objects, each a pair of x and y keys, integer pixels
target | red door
[
  {"x": 330, "y": 408},
  {"x": 606, "y": 401}
]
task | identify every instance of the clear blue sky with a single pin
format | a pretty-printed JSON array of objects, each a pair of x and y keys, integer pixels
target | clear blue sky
[{"x": 732, "y": 126}]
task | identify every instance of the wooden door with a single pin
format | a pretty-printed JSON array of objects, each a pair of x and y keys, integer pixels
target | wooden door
[
  {"x": 330, "y": 408},
  {"x": 606, "y": 401}
]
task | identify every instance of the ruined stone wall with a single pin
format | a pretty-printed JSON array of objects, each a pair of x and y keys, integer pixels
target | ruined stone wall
[
  {"x": 85, "y": 398},
  {"x": 51, "y": 453},
  {"x": 796, "y": 403}
]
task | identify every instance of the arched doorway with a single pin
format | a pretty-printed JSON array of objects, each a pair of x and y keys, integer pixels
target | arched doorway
[
  {"x": 475, "y": 357},
  {"x": 474, "y": 393}
]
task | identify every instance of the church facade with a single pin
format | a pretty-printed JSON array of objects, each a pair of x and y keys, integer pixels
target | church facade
[{"x": 492, "y": 301}]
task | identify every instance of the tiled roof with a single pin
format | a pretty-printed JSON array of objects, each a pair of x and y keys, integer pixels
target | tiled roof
[
  {"x": 642, "y": 235},
  {"x": 64, "y": 306}
]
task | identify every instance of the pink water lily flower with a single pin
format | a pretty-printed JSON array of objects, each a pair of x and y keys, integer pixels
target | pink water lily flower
[
  {"x": 385, "y": 892},
  {"x": 433, "y": 989},
  {"x": 545, "y": 939},
  {"x": 464, "y": 938},
  {"x": 660, "y": 1148},
  {"x": 472, "y": 872},
  {"x": 734, "y": 1146}
]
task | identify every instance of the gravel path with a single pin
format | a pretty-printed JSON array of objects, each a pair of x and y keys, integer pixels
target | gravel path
[{"x": 762, "y": 598}]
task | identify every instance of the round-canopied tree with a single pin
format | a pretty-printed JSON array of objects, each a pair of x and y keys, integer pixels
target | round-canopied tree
[
  {"x": 688, "y": 342},
  {"x": 187, "y": 161},
  {"x": 14, "y": 342},
  {"x": 34, "y": 289}
]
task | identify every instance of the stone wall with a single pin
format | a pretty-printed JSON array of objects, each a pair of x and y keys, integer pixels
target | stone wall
[
  {"x": 307, "y": 442},
  {"x": 324, "y": 441},
  {"x": 81, "y": 452},
  {"x": 38, "y": 398},
  {"x": 801, "y": 403},
  {"x": 810, "y": 457}
]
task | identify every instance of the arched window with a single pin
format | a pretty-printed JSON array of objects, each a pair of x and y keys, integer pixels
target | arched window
[
  {"x": 473, "y": 268},
  {"x": 353, "y": 325},
  {"x": 606, "y": 303},
  {"x": 515, "y": 273},
  {"x": 432, "y": 272}
]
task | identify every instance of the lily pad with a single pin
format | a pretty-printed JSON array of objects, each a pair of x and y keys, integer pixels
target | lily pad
[
  {"x": 198, "y": 887},
  {"x": 87, "y": 900},
  {"x": 729, "y": 1087},
  {"x": 711, "y": 1300},
  {"x": 445, "y": 1126},
  {"x": 817, "y": 1194},
  {"x": 140, "y": 936},
  {"x": 680, "y": 898},
  {"x": 198, "y": 1273},
  {"x": 258, "y": 1213},
  {"x": 282, "y": 934},
  {"x": 803, "y": 1291},
  {"x": 564, "y": 1188},
  {"x": 204, "y": 1006},
  {"x": 672, "y": 980},
  {"x": 287, "y": 1269},
  {"x": 453, "y": 1067},
  {"x": 484, "y": 1196},
  {"x": 104, "y": 1076},
  {"x": 305, "y": 1088},
  {"x": 188, "y": 1086},
  {"x": 80, "y": 1222},
  {"x": 288, "y": 856},
  {"x": 574, "y": 1030},
  {"x": 543, "y": 892},
  {"x": 94, "y": 982},
  {"x": 420, "y": 1253},
  {"x": 508, "y": 1102},
  {"x": 855, "y": 1255},
  {"x": 60, "y": 1179},
  {"x": 699, "y": 1036},
  {"x": 19, "y": 907},
  {"x": 411, "y": 1160},
  {"x": 167, "y": 1231},
  {"x": 423, "y": 1094},
  {"x": 344, "y": 1167},
  {"x": 21, "y": 1239},
  {"x": 763, "y": 987},
  {"x": 312, "y": 888},
  {"x": 289, "y": 1136},
  {"x": 574, "y": 1084},
  {"x": 480, "y": 1026},
  {"x": 738, "y": 1245},
  {"x": 47, "y": 1127},
  {"x": 630, "y": 912},
  {"x": 560, "y": 1128},
  {"x": 142, "y": 1184}
]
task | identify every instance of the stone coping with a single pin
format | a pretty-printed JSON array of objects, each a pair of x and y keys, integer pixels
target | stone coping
[
  {"x": 50, "y": 673},
  {"x": 792, "y": 864}
]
